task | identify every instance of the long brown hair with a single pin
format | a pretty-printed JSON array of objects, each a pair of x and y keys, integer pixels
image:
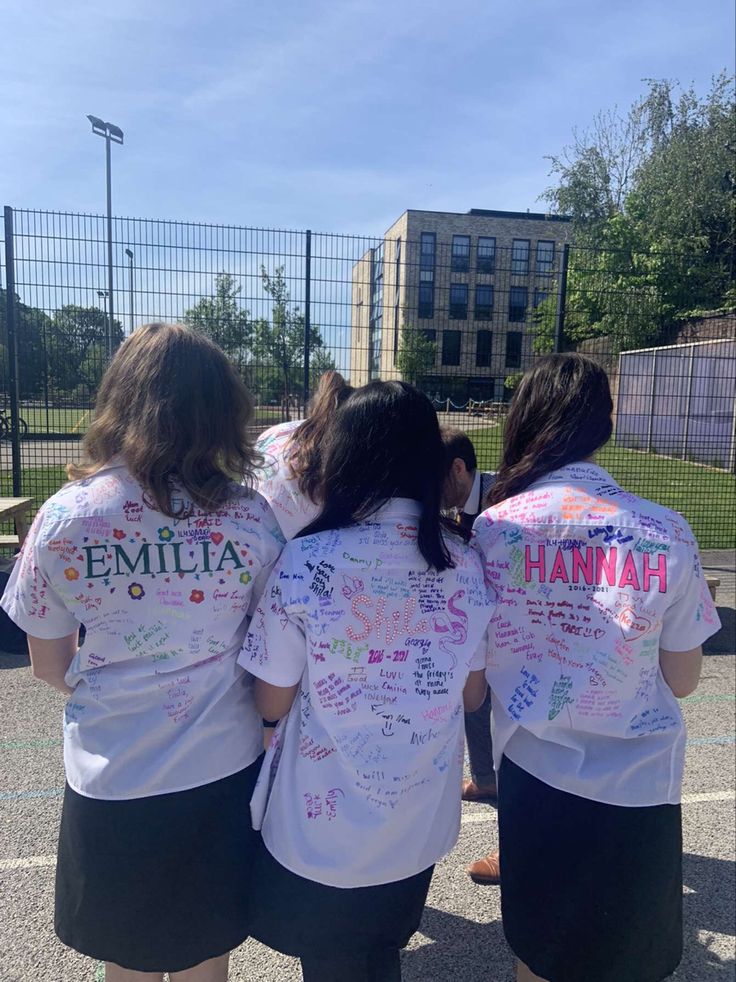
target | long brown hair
[
  {"x": 176, "y": 411},
  {"x": 560, "y": 414},
  {"x": 305, "y": 446}
]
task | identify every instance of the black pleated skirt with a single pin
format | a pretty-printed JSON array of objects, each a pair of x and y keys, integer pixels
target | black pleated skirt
[
  {"x": 299, "y": 917},
  {"x": 159, "y": 883},
  {"x": 588, "y": 891}
]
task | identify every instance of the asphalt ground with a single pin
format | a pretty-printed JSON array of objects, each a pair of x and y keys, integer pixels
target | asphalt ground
[{"x": 461, "y": 937}]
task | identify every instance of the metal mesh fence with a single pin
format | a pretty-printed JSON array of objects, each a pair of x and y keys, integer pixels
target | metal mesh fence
[{"x": 461, "y": 314}]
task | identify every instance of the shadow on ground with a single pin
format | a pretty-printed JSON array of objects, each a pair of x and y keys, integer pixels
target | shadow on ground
[{"x": 709, "y": 909}]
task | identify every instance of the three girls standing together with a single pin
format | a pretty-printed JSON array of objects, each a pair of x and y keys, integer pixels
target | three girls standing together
[{"x": 365, "y": 635}]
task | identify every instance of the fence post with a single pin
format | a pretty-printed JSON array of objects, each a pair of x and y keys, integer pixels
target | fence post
[
  {"x": 10, "y": 321},
  {"x": 562, "y": 299},
  {"x": 307, "y": 311},
  {"x": 686, "y": 423},
  {"x": 652, "y": 403}
]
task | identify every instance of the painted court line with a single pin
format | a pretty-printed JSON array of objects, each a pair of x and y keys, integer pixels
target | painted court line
[{"x": 475, "y": 818}]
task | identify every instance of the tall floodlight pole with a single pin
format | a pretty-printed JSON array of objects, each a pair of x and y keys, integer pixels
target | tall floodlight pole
[
  {"x": 131, "y": 260},
  {"x": 112, "y": 134}
]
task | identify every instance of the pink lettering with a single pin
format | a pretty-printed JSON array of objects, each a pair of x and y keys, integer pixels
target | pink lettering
[
  {"x": 660, "y": 572},
  {"x": 629, "y": 576},
  {"x": 582, "y": 565},
  {"x": 605, "y": 565},
  {"x": 558, "y": 569},
  {"x": 538, "y": 565}
]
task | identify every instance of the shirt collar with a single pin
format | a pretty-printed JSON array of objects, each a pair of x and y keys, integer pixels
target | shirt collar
[
  {"x": 472, "y": 505},
  {"x": 396, "y": 508},
  {"x": 581, "y": 472}
]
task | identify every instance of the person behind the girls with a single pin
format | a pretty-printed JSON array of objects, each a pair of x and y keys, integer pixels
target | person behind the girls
[
  {"x": 158, "y": 550},
  {"x": 465, "y": 490},
  {"x": 602, "y": 611},
  {"x": 370, "y": 627},
  {"x": 292, "y": 453}
]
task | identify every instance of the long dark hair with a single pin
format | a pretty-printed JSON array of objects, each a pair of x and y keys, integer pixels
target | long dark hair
[
  {"x": 305, "y": 446},
  {"x": 384, "y": 442},
  {"x": 174, "y": 408},
  {"x": 560, "y": 414}
]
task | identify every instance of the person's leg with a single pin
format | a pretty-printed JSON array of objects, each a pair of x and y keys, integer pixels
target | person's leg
[
  {"x": 213, "y": 970},
  {"x": 525, "y": 974},
  {"x": 480, "y": 749},
  {"x": 114, "y": 973}
]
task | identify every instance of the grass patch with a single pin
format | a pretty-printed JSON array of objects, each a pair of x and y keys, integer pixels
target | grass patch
[
  {"x": 706, "y": 497},
  {"x": 75, "y": 421}
]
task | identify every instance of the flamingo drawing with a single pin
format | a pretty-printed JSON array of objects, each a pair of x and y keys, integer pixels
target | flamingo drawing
[{"x": 454, "y": 624}]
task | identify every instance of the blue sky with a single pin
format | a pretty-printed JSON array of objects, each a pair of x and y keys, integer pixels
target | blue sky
[{"x": 330, "y": 114}]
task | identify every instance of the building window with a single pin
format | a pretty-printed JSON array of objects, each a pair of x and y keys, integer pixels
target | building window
[
  {"x": 458, "y": 301},
  {"x": 426, "y": 301},
  {"x": 460, "y": 254},
  {"x": 483, "y": 349},
  {"x": 451, "y": 347},
  {"x": 513, "y": 349},
  {"x": 539, "y": 297},
  {"x": 483, "y": 303},
  {"x": 486, "y": 258},
  {"x": 545, "y": 257},
  {"x": 518, "y": 299},
  {"x": 429, "y": 335},
  {"x": 427, "y": 250},
  {"x": 520, "y": 257}
]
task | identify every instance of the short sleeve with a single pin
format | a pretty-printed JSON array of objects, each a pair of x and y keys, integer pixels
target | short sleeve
[
  {"x": 692, "y": 618},
  {"x": 30, "y": 599},
  {"x": 275, "y": 646}
]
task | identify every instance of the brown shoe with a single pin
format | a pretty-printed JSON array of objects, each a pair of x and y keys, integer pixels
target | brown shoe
[
  {"x": 474, "y": 792},
  {"x": 487, "y": 871}
]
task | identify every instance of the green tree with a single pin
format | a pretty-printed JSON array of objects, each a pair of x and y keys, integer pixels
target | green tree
[
  {"x": 33, "y": 329},
  {"x": 416, "y": 355},
  {"x": 278, "y": 343},
  {"x": 77, "y": 347},
  {"x": 225, "y": 321},
  {"x": 651, "y": 194}
]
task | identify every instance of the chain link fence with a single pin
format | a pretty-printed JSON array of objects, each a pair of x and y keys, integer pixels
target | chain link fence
[{"x": 460, "y": 314}]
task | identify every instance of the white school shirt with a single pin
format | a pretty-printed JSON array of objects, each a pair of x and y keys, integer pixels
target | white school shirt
[
  {"x": 591, "y": 581},
  {"x": 361, "y": 784},
  {"x": 159, "y": 702},
  {"x": 293, "y": 509}
]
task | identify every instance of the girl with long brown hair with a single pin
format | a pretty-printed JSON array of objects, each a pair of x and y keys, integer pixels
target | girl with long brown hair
[
  {"x": 292, "y": 452},
  {"x": 158, "y": 548},
  {"x": 602, "y": 614}
]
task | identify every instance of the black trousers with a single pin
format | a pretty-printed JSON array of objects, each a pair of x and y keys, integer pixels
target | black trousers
[{"x": 480, "y": 747}]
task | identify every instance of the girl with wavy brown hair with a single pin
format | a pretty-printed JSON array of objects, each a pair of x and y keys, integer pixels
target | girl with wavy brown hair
[
  {"x": 604, "y": 610},
  {"x": 159, "y": 549},
  {"x": 291, "y": 476}
]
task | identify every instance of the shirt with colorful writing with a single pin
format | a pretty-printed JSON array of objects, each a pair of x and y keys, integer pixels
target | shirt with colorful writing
[
  {"x": 159, "y": 702},
  {"x": 292, "y": 508},
  {"x": 591, "y": 581},
  {"x": 361, "y": 784}
]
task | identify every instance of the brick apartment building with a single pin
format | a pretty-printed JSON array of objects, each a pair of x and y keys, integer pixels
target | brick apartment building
[{"x": 467, "y": 282}]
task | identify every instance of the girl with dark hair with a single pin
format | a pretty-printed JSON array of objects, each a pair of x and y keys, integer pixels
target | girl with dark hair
[
  {"x": 292, "y": 452},
  {"x": 158, "y": 549},
  {"x": 370, "y": 630},
  {"x": 604, "y": 614}
]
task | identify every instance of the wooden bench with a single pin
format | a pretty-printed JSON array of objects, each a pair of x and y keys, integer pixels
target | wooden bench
[
  {"x": 713, "y": 583},
  {"x": 9, "y": 541}
]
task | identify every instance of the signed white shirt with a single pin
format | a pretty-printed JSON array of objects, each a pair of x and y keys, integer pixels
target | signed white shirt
[
  {"x": 159, "y": 702},
  {"x": 361, "y": 784},
  {"x": 591, "y": 581},
  {"x": 293, "y": 510}
]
